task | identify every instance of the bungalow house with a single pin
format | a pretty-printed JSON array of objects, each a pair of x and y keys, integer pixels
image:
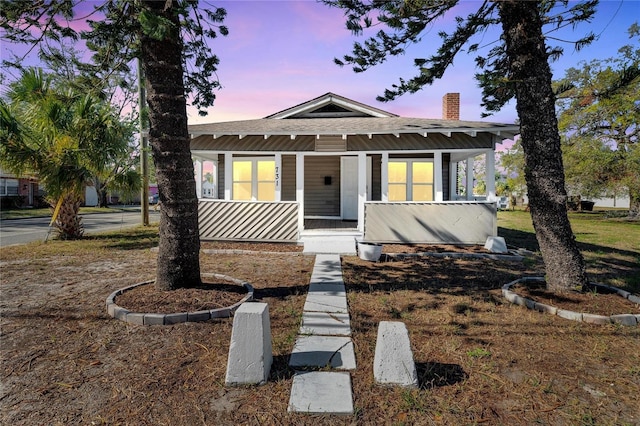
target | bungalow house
[{"x": 334, "y": 166}]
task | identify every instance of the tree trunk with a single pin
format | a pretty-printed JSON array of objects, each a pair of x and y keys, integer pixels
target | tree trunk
[
  {"x": 179, "y": 247},
  {"x": 634, "y": 203},
  {"x": 544, "y": 173},
  {"x": 68, "y": 222}
]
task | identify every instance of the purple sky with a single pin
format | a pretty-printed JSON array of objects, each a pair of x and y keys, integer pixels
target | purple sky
[{"x": 280, "y": 53}]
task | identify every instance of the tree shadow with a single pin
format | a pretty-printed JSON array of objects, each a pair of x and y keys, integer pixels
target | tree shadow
[
  {"x": 128, "y": 240},
  {"x": 281, "y": 292},
  {"x": 612, "y": 265},
  {"x": 280, "y": 369},
  {"x": 433, "y": 375}
]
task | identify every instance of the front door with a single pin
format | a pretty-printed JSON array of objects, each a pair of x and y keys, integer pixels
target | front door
[{"x": 349, "y": 187}]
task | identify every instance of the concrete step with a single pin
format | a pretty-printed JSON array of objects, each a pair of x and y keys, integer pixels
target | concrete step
[{"x": 335, "y": 243}]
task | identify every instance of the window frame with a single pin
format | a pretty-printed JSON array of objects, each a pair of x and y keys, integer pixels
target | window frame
[
  {"x": 409, "y": 178},
  {"x": 255, "y": 182}
]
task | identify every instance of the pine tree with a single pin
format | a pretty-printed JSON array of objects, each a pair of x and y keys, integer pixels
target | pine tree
[
  {"x": 516, "y": 67},
  {"x": 169, "y": 37}
]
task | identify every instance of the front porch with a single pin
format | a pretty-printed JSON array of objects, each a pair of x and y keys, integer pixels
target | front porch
[{"x": 335, "y": 168}]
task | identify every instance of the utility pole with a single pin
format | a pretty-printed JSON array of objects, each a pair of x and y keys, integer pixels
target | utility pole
[{"x": 144, "y": 147}]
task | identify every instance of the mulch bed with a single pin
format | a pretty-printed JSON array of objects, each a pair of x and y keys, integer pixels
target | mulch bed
[
  {"x": 592, "y": 302},
  {"x": 147, "y": 299}
]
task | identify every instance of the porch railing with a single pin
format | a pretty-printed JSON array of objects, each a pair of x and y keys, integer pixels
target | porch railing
[
  {"x": 248, "y": 221},
  {"x": 455, "y": 222}
]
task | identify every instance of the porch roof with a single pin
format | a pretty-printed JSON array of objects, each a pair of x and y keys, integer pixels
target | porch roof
[{"x": 351, "y": 126}]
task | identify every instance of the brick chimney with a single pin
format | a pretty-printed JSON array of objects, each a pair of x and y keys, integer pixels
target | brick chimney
[{"x": 451, "y": 106}]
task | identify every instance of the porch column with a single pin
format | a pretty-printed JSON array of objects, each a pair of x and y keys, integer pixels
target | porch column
[
  {"x": 362, "y": 188},
  {"x": 198, "y": 176},
  {"x": 490, "y": 177},
  {"x": 469, "y": 176},
  {"x": 278, "y": 182},
  {"x": 300, "y": 189},
  {"x": 453, "y": 180},
  {"x": 384, "y": 177},
  {"x": 437, "y": 178},
  {"x": 228, "y": 175}
]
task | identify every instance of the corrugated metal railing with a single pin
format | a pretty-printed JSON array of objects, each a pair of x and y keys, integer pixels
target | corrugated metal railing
[
  {"x": 248, "y": 221},
  {"x": 453, "y": 222}
]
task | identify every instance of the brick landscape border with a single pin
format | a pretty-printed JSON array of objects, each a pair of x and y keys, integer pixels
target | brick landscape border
[
  {"x": 623, "y": 319},
  {"x": 139, "y": 318}
]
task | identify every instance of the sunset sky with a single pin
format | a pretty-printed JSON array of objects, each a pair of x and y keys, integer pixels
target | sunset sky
[{"x": 280, "y": 53}]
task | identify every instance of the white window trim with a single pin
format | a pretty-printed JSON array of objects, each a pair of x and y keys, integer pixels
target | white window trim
[
  {"x": 409, "y": 177},
  {"x": 254, "y": 175}
]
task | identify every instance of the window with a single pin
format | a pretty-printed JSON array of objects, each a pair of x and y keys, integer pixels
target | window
[
  {"x": 209, "y": 179},
  {"x": 254, "y": 179},
  {"x": 8, "y": 186},
  {"x": 410, "y": 180}
]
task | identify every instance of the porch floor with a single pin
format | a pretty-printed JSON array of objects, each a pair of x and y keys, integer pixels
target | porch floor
[{"x": 330, "y": 224}]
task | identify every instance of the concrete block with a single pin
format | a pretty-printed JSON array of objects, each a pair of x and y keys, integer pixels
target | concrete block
[
  {"x": 111, "y": 309},
  {"x": 546, "y": 308},
  {"x": 120, "y": 313},
  {"x": 198, "y": 316},
  {"x": 634, "y": 299},
  {"x": 529, "y": 303},
  {"x": 623, "y": 293},
  {"x": 321, "y": 392},
  {"x": 154, "y": 319},
  {"x": 176, "y": 318},
  {"x": 570, "y": 315},
  {"x": 135, "y": 318},
  {"x": 496, "y": 245},
  {"x": 250, "y": 354},
  {"x": 220, "y": 313},
  {"x": 514, "y": 298},
  {"x": 596, "y": 319},
  {"x": 393, "y": 361},
  {"x": 625, "y": 319}
]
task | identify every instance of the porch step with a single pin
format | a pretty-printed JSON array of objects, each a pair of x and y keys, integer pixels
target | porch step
[{"x": 336, "y": 242}]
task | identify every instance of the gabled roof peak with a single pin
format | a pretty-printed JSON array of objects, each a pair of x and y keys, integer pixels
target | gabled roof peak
[{"x": 330, "y": 105}]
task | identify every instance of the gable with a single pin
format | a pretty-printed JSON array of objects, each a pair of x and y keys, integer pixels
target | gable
[{"x": 330, "y": 105}]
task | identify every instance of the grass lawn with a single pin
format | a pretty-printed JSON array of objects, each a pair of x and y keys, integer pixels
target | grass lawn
[
  {"x": 46, "y": 212},
  {"x": 480, "y": 359}
]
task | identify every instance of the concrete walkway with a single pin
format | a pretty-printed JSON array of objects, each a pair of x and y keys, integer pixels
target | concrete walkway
[{"x": 323, "y": 342}]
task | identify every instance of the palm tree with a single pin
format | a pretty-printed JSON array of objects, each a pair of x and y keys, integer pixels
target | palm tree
[{"x": 63, "y": 137}]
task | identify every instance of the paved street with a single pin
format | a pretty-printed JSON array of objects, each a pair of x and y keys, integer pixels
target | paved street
[{"x": 21, "y": 231}]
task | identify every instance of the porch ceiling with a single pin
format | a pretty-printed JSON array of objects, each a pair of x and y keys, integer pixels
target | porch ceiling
[{"x": 354, "y": 143}]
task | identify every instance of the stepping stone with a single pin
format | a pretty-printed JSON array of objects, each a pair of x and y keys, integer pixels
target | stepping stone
[
  {"x": 320, "y": 351},
  {"x": 327, "y": 269},
  {"x": 329, "y": 324},
  {"x": 322, "y": 392},
  {"x": 323, "y": 303},
  {"x": 324, "y": 289}
]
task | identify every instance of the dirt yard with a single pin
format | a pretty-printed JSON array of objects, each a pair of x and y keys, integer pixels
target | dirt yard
[{"x": 480, "y": 359}]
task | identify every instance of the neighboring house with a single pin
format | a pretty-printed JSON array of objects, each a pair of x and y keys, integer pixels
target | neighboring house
[
  {"x": 332, "y": 162},
  {"x": 21, "y": 191}
]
